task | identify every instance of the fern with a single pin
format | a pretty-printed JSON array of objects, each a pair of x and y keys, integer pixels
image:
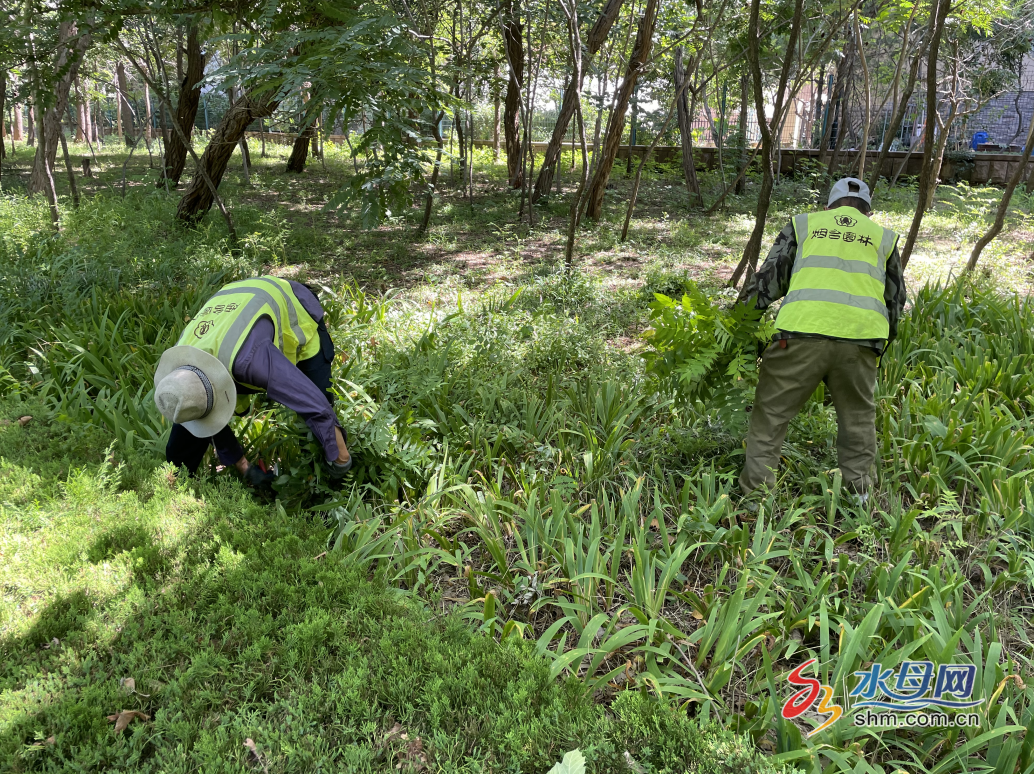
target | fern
[{"x": 705, "y": 353}]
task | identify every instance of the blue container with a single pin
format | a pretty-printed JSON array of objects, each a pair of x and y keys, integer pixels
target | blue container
[{"x": 979, "y": 138}]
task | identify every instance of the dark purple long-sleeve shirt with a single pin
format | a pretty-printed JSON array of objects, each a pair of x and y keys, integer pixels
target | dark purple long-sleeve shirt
[{"x": 261, "y": 364}]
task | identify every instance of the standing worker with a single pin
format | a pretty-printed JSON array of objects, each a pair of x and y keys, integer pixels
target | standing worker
[
  {"x": 260, "y": 334},
  {"x": 839, "y": 275}
]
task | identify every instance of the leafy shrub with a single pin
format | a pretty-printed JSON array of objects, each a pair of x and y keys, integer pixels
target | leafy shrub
[{"x": 704, "y": 353}]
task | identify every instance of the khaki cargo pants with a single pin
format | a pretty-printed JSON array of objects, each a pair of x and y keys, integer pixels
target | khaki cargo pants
[{"x": 788, "y": 378}]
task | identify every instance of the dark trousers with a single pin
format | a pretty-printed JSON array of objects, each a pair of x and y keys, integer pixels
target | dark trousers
[{"x": 185, "y": 448}]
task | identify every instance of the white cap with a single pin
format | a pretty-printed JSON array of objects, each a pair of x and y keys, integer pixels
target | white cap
[
  {"x": 849, "y": 186},
  {"x": 192, "y": 388}
]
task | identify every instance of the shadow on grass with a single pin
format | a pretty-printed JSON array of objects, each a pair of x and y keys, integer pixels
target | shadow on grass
[{"x": 247, "y": 633}]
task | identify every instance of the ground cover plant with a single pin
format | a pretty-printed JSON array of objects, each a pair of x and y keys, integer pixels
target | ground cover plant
[{"x": 528, "y": 497}]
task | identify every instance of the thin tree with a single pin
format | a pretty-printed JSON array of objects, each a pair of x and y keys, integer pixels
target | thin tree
[
  {"x": 863, "y": 144},
  {"x": 71, "y": 46},
  {"x": 784, "y": 97},
  {"x": 513, "y": 48},
  {"x": 938, "y": 17},
  {"x": 574, "y": 39},
  {"x": 202, "y": 172},
  {"x": 753, "y": 248},
  {"x": 186, "y": 107},
  {"x": 685, "y": 118},
  {"x": 593, "y": 43},
  {"x": 898, "y": 113},
  {"x": 1003, "y": 204},
  {"x": 615, "y": 126}
]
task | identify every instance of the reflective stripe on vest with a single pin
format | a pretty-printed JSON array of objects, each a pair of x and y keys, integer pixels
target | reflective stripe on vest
[
  {"x": 225, "y": 320},
  {"x": 839, "y": 276}
]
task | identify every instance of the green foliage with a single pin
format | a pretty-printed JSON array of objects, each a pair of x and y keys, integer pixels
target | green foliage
[
  {"x": 705, "y": 353},
  {"x": 537, "y": 537},
  {"x": 232, "y": 627}
]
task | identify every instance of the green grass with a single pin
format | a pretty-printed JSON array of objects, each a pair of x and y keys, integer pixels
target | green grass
[
  {"x": 530, "y": 515},
  {"x": 232, "y": 625}
]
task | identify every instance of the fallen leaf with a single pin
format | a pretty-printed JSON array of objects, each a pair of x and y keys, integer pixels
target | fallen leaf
[
  {"x": 54, "y": 644},
  {"x": 255, "y": 758},
  {"x": 125, "y": 717},
  {"x": 395, "y": 730},
  {"x": 127, "y": 684},
  {"x": 696, "y": 614},
  {"x": 49, "y": 740},
  {"x": 631, "y": 762},
  {"x": 574, "y": 763},
  {"x": 319, "y": 556},
  {"x": 23, "y": 421}
]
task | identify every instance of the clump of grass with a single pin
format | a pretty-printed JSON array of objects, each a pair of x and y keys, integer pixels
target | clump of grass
[{"x": 222, "y": 622}]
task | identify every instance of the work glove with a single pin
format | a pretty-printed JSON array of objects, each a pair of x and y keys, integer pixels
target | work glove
[
  {"x": 336, "y": 472},
  {"x": 259, "y": 480}
]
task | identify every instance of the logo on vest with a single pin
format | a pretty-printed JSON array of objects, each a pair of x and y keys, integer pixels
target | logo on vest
[
  {"x": 202, "y": 328},
  {"x": 845, "y": 220}
]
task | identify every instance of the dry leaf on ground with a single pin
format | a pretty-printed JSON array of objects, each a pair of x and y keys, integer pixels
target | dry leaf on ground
[
  {"x": 125, "y": 717},
  {"x": 128, "y": 684},
  {"x": 254, "y": 756},
  {"x": 23, "y": 421}
]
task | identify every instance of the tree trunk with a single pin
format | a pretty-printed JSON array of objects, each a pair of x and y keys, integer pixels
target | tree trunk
[
  {"x": 17, "y": 128},
  {"x": 938, "y": 160},
  {"x": 820, "y": 85},
  {"x": 841, "y": 133},
  {"x": 937, "y": 20},
  {"x": 126, "y": 110},
  {"x": 689, "y": 167},
  {"x": 31, "y": 139},
  {"x": 595, "y": 41},
  {"x": 3, "y": 107},
  {"x": 197, "y": 199},
  {"x": 495, "y": 123},
  {"x": 81, "y": 131},
  {"x": 863, "y": 144},
  {"x": 50, "y": 121},
  {"x": 71, "y": 172},
  {"x": 753, "y": 248},
  {"x": 895, "y": 122},
  {"x": 148, "y": 133},
  {"x": 459, "y": 122},
  {"x": 186, "y": 110},
  {"x": 436, "y": 129},
  {"x": 1003, "y": 205},
  {"x": 513, "y": 41},
  {"x": 832, "y": 103},
  {"x": 612, "y": 141},
  {"x": 741, "y": 164},
  {"x": 300, "y": 151}
]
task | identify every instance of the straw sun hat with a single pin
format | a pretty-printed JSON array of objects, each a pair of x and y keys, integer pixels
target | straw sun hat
[{"x": 192, "y": 388}]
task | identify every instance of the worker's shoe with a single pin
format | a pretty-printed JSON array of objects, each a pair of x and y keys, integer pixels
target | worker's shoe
[
  {"x": 751, "y": 501},
  {"x": 858, "y": 500},
  {"x": 259, "y": 480}
]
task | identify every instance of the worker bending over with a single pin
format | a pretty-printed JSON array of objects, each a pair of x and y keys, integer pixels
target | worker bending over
[
  {"x": 839, "y": 275},
  {"x": 260, "y": 334}
]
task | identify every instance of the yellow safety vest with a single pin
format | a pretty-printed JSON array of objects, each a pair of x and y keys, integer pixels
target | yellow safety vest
[
  {"x": 225, "y": 320},
  {"x": 839, "y": 276}
]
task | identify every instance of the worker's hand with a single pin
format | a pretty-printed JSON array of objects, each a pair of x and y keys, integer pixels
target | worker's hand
[
  {"x": 339, "y": 467},
  {"x": 343, "y": 457},
  {"x": 260, "y": 481}
]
